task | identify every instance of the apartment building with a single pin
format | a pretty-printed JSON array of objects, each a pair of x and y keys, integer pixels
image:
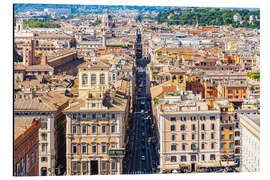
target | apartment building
[
  {"x": 229, "y": 134},
  {"x": 26, "y": 144},
  {"x": 189, "y": 135},
  {"x": 51, "y": 140},
  {"x": 250, "y": 142},
  {"x": 97, "y": 122}
]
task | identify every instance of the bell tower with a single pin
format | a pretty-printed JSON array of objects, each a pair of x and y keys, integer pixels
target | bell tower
[{"x": 29, "y": 53}]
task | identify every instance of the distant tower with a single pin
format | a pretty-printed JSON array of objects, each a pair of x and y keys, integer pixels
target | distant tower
[
  {"x": 103, "y": 38},
  {"x": 19, "y": 25},
  {"x": 197, "y": 24},
  {"x": 29, "y": 53},
  {"x": 107, "y": 20}
]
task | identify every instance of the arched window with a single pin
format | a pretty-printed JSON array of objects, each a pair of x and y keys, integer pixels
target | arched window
[
  {"x": 84, "y": 79},
  {"x": 102, "y": 79},
  {"x": 93, "y": 79}
]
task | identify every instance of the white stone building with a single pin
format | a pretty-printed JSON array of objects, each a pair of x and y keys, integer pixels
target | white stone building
[{"x": 250, "y": 139}]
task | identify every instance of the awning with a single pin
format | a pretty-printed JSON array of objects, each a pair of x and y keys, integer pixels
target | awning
[
  {"x": 227, "y": 163},
  {"x": 183, "y": 165},
  {"x": 209, "y": 165}
]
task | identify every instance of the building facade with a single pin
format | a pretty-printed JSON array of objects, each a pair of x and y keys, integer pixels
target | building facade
[
  {"x": 26, "y": 145},
  {"x": 189, "y": 136},
  {"x": 96, "y": 123},
  {"x": 250, "y": 142}
]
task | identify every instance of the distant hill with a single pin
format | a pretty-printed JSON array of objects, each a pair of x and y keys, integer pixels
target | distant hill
[{"x": 209, "y": 16}]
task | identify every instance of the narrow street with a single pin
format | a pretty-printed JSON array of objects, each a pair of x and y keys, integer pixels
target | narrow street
[{"x": 141, "y": 156}]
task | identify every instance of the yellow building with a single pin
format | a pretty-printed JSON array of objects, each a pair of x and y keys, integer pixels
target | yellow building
[
  {"x": 97, "y": 123},
  {"x": 178, "y": 78}
]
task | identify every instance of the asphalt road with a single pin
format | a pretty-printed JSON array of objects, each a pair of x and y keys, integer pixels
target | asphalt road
[{"x": 140, "y": 149}]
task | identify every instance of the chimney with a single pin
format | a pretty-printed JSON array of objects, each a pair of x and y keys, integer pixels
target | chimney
[{"x": 43, "y": 59}]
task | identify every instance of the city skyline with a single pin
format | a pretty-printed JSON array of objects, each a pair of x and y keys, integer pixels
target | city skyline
[{"x": 122, "y": 91}]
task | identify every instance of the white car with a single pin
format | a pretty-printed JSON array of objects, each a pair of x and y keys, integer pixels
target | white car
[{"x": 142, "y": 158}]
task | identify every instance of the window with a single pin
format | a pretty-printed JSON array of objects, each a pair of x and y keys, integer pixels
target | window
[
  {"x": 231, "y": 145},
  {"x": 222, "y": 128},
  {"x": 43, "y": 159},
  {"x": 44, "y": 136},
  {"x": 113, "y": 165},
  {"x": 43, "y": 147},
  {"x": 27, "y": 163},
  {"x": 172, "y": 127},
  {"x": 94, "y": 148},
  {"x": 212, "y": 117},
  {"x": 212, "y": 145},
  {"x": 182, "y": 127},
  {"x": 193, "y": 136},
  {"x": 113, "y": 145},
  {"x": 173, "y": 137},
  {"x": 202, "y": 135},
  {"x": 113, "y": 117},
  {"x": 230, "y": 136},
  {"x": 32, "y": 159},
  {"x": 23, "y": 166},
  {"x": 84, "y": 148},
  {"x": 84, "y": 166},
  {"x": 173, "y": 118},
  {"x": 212, "y": 157},
  {"x": 237, "y": 133},
  {"x": 203, "y": 127},
  {"x": 103, "y": 116},
  {"x": 113, "y": 129},
  {"x": 173, "y": 158},
  {"x": 74, "y": 117},
  {"x": 103, "y": 129},
  {"x": 236, "y": 125},
  {"x": 103, "y": 165},
  {"x": 102, "y": 79},
  {"x": 104, "y": 148},
  {"x": 202, "y": 145},
  {"x": 173, "y": 147},
  {"x": 84, "y": 116},
  {"x": 84, "y": 129},
  {"x": 203, "y": 157},
  {"x": 43, "y": 124},
  {"x": 93, "y": 79},
  {"x": 74, "y": 129},
  {"x": 93, "y": 105},
  {"x": 193, "y": 157},
  {"x": 222, "y": 137},
  {"x": 74, "y": 166},
  {"x": 84, "y": 79},
  {"x": 74, "y": 149},
  {"x": 213, "y": 126},
  {"x": 94, "y": 116},
  {"x": 222, "y": 145},
  {"x": 237, "y": 150},
  {"x": 237, "y": 142},
  {"x": 193, "y": 127},
  {"x": 183, "y": 158},
  {"x": 212, "y": 135},
  {"x": 229, "y": 118},
  {"x": 183, "y": 136},
  {"x": 193, "y": 146},
  {"x": 94, "y": 129},
  {"x": 183, "y": 147}
]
